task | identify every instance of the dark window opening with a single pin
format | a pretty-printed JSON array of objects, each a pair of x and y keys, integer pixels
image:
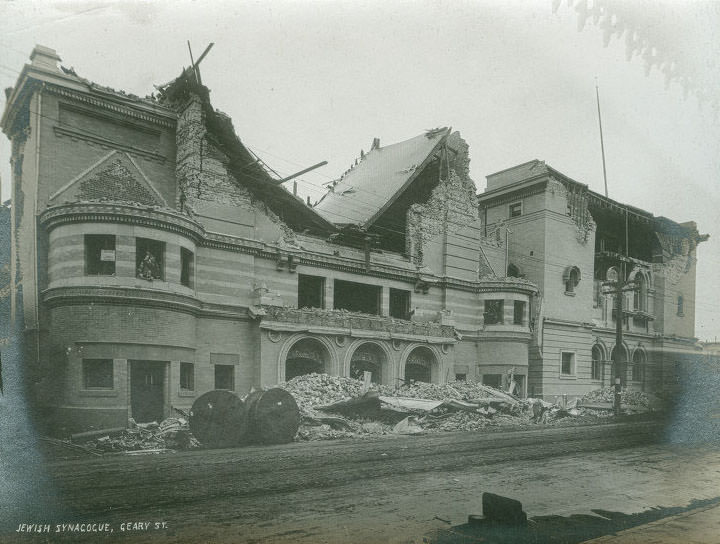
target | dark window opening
[
  {"x": 417, "y": 373},
  {"x": 518, "y": 312},
  {"x": 311, "y": 291},
  {"x": 99, "y": 254},
  {"x": 680, "y": 306},
  {"x": 187, "y": 376},
  {"x": 513, "y": 271},
  {"x": 638, "y": 367},
  {"x": 493, "y": 312},
  {"x": 399, "y": 303},
  {"x": 568, "y": 363},
  {"x": 301, "y": 367},
  {"x": 97, "y": 373},
  {"x": 149, "y": 259},
  {"x": 515, "y": 209},
  {"x": 359, "y": 367},
  {"x": 460, "y": 377},
  {"x": 493, "y": 380},
  {"x": 225, "y": 377},
  {"x": 596, "y": 370},
  {"x": 571, "y": 281},
  {"x": 357, "y": 297},
  {"x": 186, "y": 267}
]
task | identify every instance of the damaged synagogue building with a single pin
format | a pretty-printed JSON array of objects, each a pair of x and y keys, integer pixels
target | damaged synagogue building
[{"x": 156, "y": 258}]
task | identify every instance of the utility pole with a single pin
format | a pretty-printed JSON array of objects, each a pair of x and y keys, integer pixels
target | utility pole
[{"x": 618, "y": 288}]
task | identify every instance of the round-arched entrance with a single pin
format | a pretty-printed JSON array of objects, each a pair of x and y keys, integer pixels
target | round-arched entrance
[
  {"x": 420, "y": 365},
  {"x": 369, "y": 357},
  {"x": 306, "y": 356}
]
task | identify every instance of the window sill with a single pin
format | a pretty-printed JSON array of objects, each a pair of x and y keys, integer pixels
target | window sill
[
  {"x": 569, "y": 293},
  {"x": 186, "y": 393},
  {"x": 568, "y": 377},
  {"x": 98, "y": 393}
]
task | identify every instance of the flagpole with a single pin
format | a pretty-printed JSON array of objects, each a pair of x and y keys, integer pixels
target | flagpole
[{"x": 602, "y": 143}]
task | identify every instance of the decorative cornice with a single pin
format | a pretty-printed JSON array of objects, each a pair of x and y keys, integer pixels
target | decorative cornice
[
  {"x": 575, "y": 324},
  {"x": 344, "y": 321},
  {"x": 167, "y": 120},
  {"x": 107, "y": 144},
  {"x": 507, "y": 195},
  {"x": 500, "y": 336},
  {"x": 100, "y": 212},
  {"x": 136, "y": 297}
]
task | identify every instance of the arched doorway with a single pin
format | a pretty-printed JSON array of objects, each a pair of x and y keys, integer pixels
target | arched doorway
[
  {"x": 638, "y": 366},
  {"x": 619, "y": 365},
  {"x": 419, "y": 365},
  {"x": 306, "y": 356},
  {"x": 368, "y": 357}
]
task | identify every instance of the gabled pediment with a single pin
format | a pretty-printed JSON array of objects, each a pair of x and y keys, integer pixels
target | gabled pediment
[{"x": 115, "y": 177}]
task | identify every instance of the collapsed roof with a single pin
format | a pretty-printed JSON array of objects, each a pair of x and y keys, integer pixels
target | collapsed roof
[
  {"x": 381, "y": 176},
  {"x": 244, "y": 166}
]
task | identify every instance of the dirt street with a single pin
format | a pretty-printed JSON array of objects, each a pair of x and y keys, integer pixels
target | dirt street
[{"x": 392, "y": 489}]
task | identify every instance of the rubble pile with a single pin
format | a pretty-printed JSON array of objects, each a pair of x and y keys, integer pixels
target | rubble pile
[
  {"x": 171, "y": 434},
  {"x": 313, "y": 390},
  {"x": 335, "y": 407},
  {"x": 631, "y": 401}
]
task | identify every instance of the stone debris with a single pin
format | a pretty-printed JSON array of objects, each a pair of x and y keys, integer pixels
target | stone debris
[
  {"x": 171, "y": 434},
  {"x": 450, "y": 407},
  {"x": 632, "y": 402}
]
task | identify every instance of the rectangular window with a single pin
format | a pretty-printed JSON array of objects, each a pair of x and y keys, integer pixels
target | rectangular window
[
  {"x": 399, "y": 303},
  {"x": 311, "y": 291},
  {"x": 515, "y": 209},
  {"x": 567, "y": 364},
  {"x": 493, "y": 312},
  {"x": 99, "y": 254},
  {"x": 596, "y": 370},
  {"x": 149, "y": 259},
  {"x": 460, "y": 377},
  {"x": 357, "y": 297},
  {"x": 493, "y": 380},
  {"x": 518, "y": 312},
  {"x": 225, "y": 377},
  {"x": 187, "y": 376},
  {"x": 187, "y": 267},
  {"x": 97, "y": 373}
]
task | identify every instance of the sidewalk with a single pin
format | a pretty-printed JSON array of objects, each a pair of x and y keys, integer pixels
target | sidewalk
[{"x": 698, "y": 526}]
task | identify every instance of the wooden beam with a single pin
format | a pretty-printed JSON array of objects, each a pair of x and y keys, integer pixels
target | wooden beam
[{"x": 301, "y": 172}]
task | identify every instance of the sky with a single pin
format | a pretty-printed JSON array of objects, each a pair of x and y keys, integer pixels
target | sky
[{"x": 307, "y": 81}]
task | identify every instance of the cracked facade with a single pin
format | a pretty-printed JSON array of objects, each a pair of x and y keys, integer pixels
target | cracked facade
[{"x": 166, "y": 261}]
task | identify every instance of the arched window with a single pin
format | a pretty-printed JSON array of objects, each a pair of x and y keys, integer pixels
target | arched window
[
  {"x": 597, "y": 360},
  {"x": 638, "y": 367},
  {"x": 306, "y": 356},
  {"x": 571, "y": 277},
  {"x": 640, "y": 293}
]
